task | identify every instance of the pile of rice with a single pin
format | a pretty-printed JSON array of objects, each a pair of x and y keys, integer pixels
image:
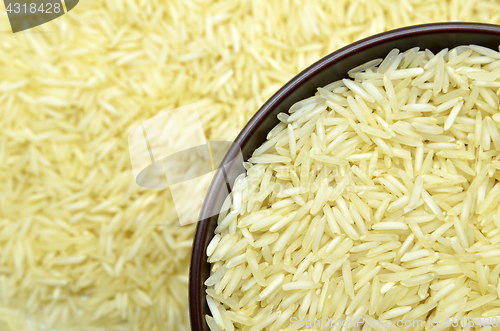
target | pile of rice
[
  {"x": 377, "y": 198},
  {"x": 81, "y": 246}
]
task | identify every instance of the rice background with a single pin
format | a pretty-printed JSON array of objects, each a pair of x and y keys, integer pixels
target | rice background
[{"x": 82, "y": 247}]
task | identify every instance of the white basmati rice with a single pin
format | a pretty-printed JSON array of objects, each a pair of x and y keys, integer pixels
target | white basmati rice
[{"x": 402, "y": 239}]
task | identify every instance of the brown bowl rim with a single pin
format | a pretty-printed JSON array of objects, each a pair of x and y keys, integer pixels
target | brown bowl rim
[{"x": 198, "y": 257}]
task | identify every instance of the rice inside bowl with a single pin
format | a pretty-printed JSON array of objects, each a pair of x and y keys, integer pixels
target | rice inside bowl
[{"x": 376, "y": 199}]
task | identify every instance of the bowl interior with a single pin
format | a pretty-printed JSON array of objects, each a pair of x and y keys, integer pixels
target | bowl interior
[{"x": 335, "y": 66}]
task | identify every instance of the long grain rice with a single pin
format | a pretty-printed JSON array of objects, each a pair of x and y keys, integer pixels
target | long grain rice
[{"x": 399, "y": 238}]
